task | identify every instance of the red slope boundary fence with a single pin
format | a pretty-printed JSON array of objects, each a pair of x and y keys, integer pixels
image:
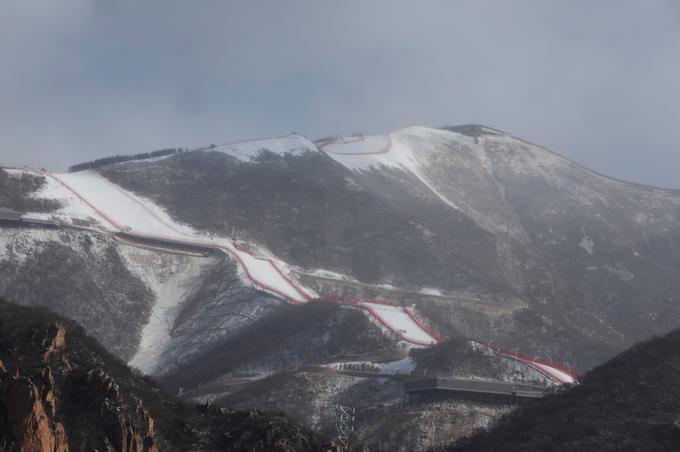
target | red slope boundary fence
[
  {"x": 305, "y": 296},
  {"x": 357, "y": 303},
  {"x": 533, "y": 363},
  {"x": 121, "y": 228}
]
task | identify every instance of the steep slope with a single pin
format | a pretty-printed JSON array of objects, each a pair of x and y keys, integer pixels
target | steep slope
[
  {"x": 629, "y": 403},
  {"x": 495, "y": 236},
  {"x": 308, "y": 210},
  {"x": 483, "y": 234},
  {"x": 151, "y": 305},
  {"x": 80, "y": 275},
  {"x": 287, "y": 339},
  {"x": 192, "y": 257},
  {"x": 60, "y": 390}
]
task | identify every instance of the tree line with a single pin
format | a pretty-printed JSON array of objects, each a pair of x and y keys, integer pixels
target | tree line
[{"x": 98, "y": 163}]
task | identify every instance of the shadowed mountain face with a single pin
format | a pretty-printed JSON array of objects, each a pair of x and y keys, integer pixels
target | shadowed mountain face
[
  {"x": 562, "y": 260},
  {"x": 628, "y": 403},
  {"x": 290, "y": 338}
]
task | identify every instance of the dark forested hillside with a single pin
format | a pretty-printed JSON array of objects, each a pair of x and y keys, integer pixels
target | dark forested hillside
[
  {"x": 15, "y": 193},
  {"x": 59, "y": 390},
  {"x": 631, "y": 403},
  {"x": 292, "y": 337}
]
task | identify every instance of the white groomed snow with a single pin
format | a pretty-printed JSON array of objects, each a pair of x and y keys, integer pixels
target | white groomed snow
[
  {"x": 129, "y": 210},
  {"x": 354, "y": 146},
  {"x": 330, "y": 275},
  {"x": 144, "y": 217},
  {"x": 71, "y": 206},
  {"x": 555, "y": 372},
  {"x": 141, "y": 216},
  {"x": 402, "y": 322},
  {"x": 399, "y": 154},
  {"x": 431, "y": 291}
]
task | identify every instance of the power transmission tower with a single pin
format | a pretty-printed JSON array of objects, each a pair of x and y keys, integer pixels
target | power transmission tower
[{"x": 344, "y": 424}]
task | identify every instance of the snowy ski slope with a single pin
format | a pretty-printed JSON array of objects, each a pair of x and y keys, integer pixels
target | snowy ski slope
[
  {"x": 119, "y": 210},
  {"x": 88, "y": 195},
  {"x": 124, "y": 211}
]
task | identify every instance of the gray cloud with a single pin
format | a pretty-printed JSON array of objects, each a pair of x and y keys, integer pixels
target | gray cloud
[{"x": 596, "y": 81}]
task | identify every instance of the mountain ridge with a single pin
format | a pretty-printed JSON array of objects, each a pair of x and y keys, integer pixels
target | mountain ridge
[{"x": 489, "y": 238}]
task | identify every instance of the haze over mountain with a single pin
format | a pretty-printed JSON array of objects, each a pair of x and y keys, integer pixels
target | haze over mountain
[
  {"x": 184, "y": 263},
  {"x": 339, "y": 226},
  {"x": 596, "y": 81}
]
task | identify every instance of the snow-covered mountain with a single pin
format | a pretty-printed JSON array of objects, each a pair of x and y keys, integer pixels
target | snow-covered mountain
[
  {"x": 186, "y": 265},
  {"x": 486, "y": 234}
]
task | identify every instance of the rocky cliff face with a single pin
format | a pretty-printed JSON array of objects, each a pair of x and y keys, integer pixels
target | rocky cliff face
[
  {"x": 30, "y": 403},
  {"x": 29, "y": 413}
]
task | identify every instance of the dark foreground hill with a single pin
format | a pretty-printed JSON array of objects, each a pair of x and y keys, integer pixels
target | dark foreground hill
[
  {"x": 630, "y": 403},
  {"x": 60, "y": 390}
]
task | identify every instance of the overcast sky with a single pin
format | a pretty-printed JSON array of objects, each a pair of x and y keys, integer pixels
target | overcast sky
[{"x": 598, "y": 81}]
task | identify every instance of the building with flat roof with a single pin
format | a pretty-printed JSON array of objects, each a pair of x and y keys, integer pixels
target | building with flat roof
[{"x": 441, "y": 388}]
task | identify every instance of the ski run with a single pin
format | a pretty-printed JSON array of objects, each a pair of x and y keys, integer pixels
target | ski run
[{"x": 89, "y": 197}]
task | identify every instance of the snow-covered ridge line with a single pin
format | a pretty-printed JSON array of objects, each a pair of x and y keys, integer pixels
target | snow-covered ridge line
[
  {"x": 248, "y": 149},
  {"x": 324, "y": 147}
]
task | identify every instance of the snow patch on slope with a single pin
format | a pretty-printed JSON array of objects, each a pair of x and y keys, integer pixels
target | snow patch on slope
[
  {"x": 587, "y": 244},
  {"x": 375, "y": 151},
  {"x": 247, "y": 150},
  {"x": 171, "y": 278},
  {"x": 400, "y": 321}
]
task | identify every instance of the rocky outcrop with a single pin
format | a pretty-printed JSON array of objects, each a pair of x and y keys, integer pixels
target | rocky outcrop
[
  {"x": 60, "y": 390},
  {"x": 127, "y": 430},
  {"x": 27, "y": 418},
  {"x": 55, "y": 340},
  {"x": 29, "y": 405}
]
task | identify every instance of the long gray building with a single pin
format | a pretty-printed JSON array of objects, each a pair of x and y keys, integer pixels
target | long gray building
[{"x": 441, "y": 388}]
